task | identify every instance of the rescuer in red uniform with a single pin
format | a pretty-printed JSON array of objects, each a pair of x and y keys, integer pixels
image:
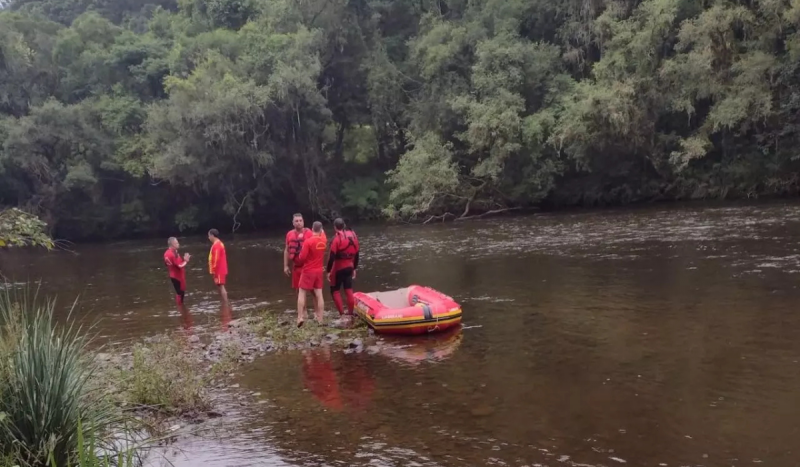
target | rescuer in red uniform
[
  {"x": 218, "y": 268},
  {"x": 342, "y": 264},
  {"x": 310, "y": 260},
  {"x": 176, "y": 266},
  {"x": 294, "y": 243}
]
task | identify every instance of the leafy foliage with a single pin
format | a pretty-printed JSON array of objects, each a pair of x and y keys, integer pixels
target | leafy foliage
[
  {"x": 141, "y": 116},
  {"x": 18, "y": 228},
  {"x": 47, "y": 402}
]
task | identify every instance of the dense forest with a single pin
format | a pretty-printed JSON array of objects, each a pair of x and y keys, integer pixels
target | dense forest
[{"x": 137, "y": 117}]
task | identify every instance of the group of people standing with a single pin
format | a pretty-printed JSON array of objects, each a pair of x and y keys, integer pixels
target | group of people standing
[{"x": 303, "y": 261}]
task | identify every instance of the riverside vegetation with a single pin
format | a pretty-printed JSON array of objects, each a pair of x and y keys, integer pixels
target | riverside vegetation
[
  {"x": 139, "y": 117},
  {"x": 109, "y": 408}
]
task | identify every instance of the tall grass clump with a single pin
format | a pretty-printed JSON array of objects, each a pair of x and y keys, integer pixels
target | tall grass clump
[
  {"x": 167, "y": 379},
  {"x": 47, "y": 401}
]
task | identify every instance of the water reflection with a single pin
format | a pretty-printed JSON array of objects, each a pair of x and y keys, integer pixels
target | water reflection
[
  {"x": 336, "y": 385},
  {"x": 433, "y": 348}
]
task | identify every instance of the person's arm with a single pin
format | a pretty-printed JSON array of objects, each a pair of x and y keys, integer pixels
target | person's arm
[
  {"x": 212, "y": 264},
  {"x": 286, "y": 269},
  {"x": 331, "y": 255},
  {"x": 355, "y": 261}
]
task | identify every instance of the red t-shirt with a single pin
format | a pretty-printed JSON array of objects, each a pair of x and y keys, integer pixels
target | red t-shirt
[
  {"x": 313, "y": 254},
  {"x": 174, "y": 261},
  {"x": 217, "y": 260},
  {"x": 294, "y": 241}
]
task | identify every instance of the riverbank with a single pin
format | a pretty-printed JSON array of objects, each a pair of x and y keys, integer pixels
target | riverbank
[{"x": 178, "y": 378}]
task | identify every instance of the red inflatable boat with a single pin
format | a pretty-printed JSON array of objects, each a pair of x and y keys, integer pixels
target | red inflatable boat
[{"x": 410, "y": 310}]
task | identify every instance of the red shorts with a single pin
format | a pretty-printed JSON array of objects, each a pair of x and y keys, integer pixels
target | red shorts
[
  {"x": 296, "y": 273},
  {"x": 219, "y": 279},
  {"x": 311, "y": 280}
]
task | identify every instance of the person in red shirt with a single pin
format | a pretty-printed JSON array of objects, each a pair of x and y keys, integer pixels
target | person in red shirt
[
  {"x": 342, "y": 264},
  {"x": 294, "y": 243},
  {"x": 310, "y": 259},
  {"x": 218, "y": 268},
  {"x": 176, "y": 266}
]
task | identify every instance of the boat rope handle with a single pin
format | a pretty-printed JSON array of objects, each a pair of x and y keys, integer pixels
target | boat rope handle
[{"x": 435, "y": 327}]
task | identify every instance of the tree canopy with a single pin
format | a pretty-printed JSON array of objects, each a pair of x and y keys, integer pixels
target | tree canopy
[{"x": 126, "y": 117}]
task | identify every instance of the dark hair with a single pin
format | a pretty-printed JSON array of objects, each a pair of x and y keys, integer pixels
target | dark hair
[
  {"x": 214, "y": 232},
  {"x": 297, "y": 214},
  {"x": 317, "y": 226},
  {"x": 339, "y": 224}
]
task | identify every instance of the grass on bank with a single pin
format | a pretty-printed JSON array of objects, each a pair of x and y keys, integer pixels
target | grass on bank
[
  {"x": 61, "y": 405},
  {"x": 283, "y": 331},
  {"x": 166, "y": 376},
  {"x": 47, "y": 405}
]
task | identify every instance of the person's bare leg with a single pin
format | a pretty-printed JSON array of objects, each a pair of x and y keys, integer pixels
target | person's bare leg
[
  {"x": 225, "y": 308},
  {"x": 301, "y": 307},
  {"x": 186, "y": 318},
  {"x": 319, "y": 305},
  {"x": 224, "y": 295}
]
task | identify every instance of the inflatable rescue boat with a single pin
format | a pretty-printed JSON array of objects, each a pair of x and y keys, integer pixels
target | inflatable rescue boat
[{"x": 410, "y": 310}]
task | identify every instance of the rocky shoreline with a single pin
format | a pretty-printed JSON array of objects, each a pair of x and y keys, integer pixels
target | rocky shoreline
[{"x": 208, "y": 360}]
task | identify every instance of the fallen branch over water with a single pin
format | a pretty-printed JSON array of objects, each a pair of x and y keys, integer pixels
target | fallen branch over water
[
  {"x": 465, "y": 217},
  {"x": 487, "y": 213},
  {"x": 443, "y": 217}
]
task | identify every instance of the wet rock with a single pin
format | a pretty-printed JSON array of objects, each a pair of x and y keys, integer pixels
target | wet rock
[
  {"x": 193, "y": 339},
  {"x": 373, "y": 349},
  {"x": 332, "y": 337},
  {"x": 314, "y": 343},
  {"x": 283, "y": 322},
  {"x": 355, "y": 343}
]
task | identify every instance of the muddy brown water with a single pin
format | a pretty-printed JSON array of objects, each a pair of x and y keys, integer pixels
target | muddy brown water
[{"x": 659, "y": 336}]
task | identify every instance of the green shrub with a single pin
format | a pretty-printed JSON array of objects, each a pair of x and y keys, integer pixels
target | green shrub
[{"x": 47, "y": 403}]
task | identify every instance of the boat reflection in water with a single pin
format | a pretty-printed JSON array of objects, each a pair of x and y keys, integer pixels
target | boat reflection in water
[{"x": 433, "y": 348}]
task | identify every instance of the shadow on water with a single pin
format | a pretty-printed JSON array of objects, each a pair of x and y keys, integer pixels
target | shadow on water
[{"x": 624, "y": 337}]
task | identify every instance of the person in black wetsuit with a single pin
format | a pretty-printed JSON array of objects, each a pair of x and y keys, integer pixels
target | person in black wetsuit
[{"x": 342, "y": 264}]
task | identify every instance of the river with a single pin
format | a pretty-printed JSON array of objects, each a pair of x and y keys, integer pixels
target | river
[{"x": 646, "y": 337}]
